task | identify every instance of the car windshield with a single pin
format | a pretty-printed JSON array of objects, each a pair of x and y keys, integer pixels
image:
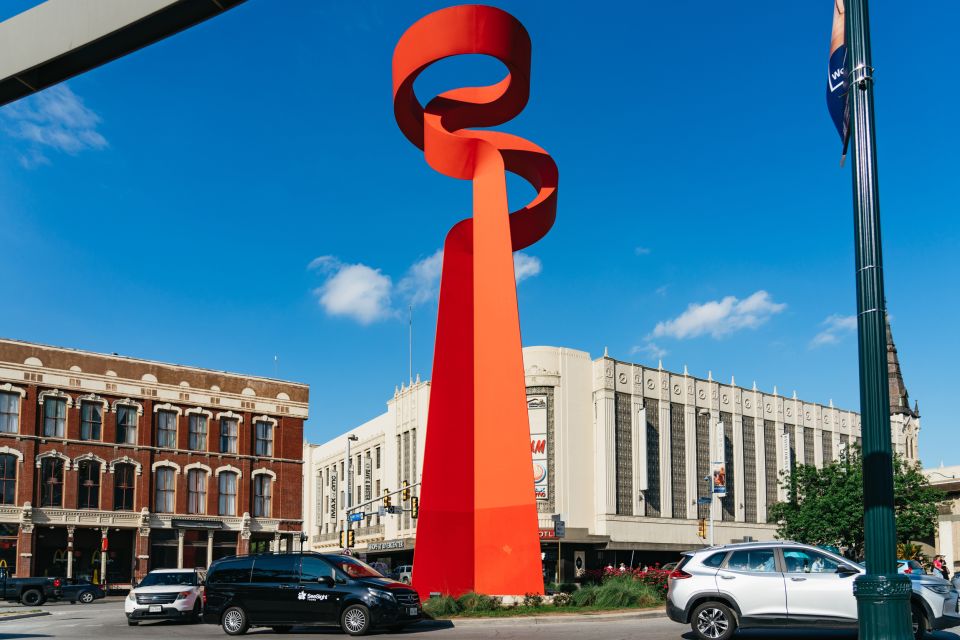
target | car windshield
[
  {"x": 354, "y": 568},
  {"x": 169, "y": 579}
]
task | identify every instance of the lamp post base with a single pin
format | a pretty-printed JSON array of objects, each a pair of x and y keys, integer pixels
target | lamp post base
[{"x": 883, "y": 606}]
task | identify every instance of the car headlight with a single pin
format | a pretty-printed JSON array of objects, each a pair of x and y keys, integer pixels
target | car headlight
[
  {"x": 131, "y": 597},
  {"x": 942, "y": 589},
  {"x": 183, "y": 595},
  {"x": 381, "y": 594}
]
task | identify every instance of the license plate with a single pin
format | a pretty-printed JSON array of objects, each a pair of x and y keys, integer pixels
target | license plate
[
  {"x": 155, "y": 608},
  {"x": 412, "y": 611}
]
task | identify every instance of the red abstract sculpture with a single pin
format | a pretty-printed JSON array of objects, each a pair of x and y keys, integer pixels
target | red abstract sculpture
[{"x": 478, "y": 520}]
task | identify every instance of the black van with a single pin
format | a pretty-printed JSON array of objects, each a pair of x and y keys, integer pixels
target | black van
[{"x": 293, "y": 589}]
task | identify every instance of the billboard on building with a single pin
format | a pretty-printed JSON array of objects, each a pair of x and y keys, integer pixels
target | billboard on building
[
  {"x": 537, "y": 412},
  {"x": 333, "y": 497},
  {"x": 719, "y": 467}
]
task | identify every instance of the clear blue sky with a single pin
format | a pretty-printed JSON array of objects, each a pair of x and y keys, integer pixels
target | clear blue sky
[{"x": 169, "y": 204}]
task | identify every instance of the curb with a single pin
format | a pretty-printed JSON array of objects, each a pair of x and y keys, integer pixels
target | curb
[
  {"x": 538, "y": 620},
  {"x": 22, "y": 616}
]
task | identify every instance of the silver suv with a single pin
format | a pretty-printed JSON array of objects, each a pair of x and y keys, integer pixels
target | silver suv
[{"x": 785, "y": 584}]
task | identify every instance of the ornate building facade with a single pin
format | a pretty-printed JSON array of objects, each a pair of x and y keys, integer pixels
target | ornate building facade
[{"x": 111, "y": 466}]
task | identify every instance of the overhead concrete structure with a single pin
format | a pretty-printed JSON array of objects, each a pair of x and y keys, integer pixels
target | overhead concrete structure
[{"x": 59, "y": 39}]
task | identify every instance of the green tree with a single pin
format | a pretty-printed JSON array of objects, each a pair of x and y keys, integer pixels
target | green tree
[{"x": 825, "y": 506}]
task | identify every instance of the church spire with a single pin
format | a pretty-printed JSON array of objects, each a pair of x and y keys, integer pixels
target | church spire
[{"x": 899, "y": 398}]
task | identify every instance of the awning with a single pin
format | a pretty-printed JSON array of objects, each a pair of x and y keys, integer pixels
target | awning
[{"x": 177, "y": 523}]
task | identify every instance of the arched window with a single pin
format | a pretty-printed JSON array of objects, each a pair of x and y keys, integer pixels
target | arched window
[
  {"x": 126, "y": 424},
  {"x": 196, "y": 491},
  {"x": 51, "y": 482},
  {"x": 262, "y": 495},
  {"x": 166, "y": 429},
  {"x": 54, "y": 416},
  {"x": 228, "y": 493},
  {"x": 8, "y": 479},
  {"x": 88, "y": 485},
  {"x": 123, "y": 474},
  {"x": 91, "y": 420},
  {"x": 166, "y": 490},
  {"x": 198, "y": 432},
  {"x": 263, "y": 446}
]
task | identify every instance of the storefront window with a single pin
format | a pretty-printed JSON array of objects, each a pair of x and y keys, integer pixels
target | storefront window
[
  {"x": 8, "y": 550},
  {"x": 51, "y": 482},
  {"x": 91, "y": 420},
  {"x": 123, "y": 487},
  {"x": 88, "y": 485},
  {"x": 8, "y": 479}
]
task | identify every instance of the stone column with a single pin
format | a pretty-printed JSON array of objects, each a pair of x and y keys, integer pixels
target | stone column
[
  {"x": 143, "y": 553},
  {"x": 25, "y": 551},
  {"x": 70, "y": 531},
  {"x": 180, "y": 535},
  {"x": 275, "y": 545},
  {"x": 209, "y": 548},
  {"x": 243, "y": 545}
]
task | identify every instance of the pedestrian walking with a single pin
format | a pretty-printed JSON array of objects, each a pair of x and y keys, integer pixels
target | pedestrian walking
[{"x": 941, "y": 567}]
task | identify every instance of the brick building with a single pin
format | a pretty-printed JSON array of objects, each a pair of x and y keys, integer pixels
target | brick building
[{"x": 115, "y": 465}]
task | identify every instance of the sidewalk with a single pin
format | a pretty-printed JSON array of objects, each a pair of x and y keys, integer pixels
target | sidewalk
[{"x": 557, "y": 618}]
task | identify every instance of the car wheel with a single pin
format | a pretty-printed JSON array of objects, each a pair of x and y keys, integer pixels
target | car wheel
[
  {"x": 235, "y": 621},
  {"x": 86, "y": 597},
  {"x": 713, "y": 621},
  {"x": 283, "y": 628},
  {"x": 919, "y": 622},
  {"x": 355, "y": 620},
  {"x": 132, "y": 623},
  {"x": 31, "y": 598}
]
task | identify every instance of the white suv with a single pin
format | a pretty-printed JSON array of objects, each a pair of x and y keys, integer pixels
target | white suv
[
  {"x": 786, "y": 584},
  {"x": 166, "y": 594}
]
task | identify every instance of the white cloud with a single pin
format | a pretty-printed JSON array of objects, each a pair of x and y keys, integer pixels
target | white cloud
[
  {"x": 52, "y": 119},
  {"x": 719, "y": 318},
  {"x": 662, "y": 290},
  {"x": 835, "y": 326},
  {"x": 353, "y": 290},
  {"x": 525, "y": 266},
  {"x": 650, "y": 350},
  {"x": 422, "y": 281},
  {"x": 642, "y": 251}
]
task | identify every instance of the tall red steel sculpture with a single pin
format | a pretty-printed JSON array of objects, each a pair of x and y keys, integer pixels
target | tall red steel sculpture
[{"x": 478, "y": 521}]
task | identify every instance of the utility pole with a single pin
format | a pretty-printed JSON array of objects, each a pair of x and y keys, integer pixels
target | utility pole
[
  {"x": 349, "y": 501},
  {"x": 883, "y": 595}
]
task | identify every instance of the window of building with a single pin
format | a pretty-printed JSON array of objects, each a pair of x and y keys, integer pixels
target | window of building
[
  {"x": 359, "y": 469},
  {"x": 51, "y": 482},
  {"x": 228, "y": 494},
  {"x": 228, "y": 435},
  {"x": 264, "y": 443},
  {"x": 123, "y": 487},
  {"x": 91, "y": 420},
  {"x": 166, "y": 490},
  {"x": 262, "y": 495},
  {"x": 197, "y": 491},
  {"x": 198, "y": 432},
  {"x": 88, "y": 485},
  {"x": 9, "y": 412},
  {"x": 54, "y": 417},
  {"x": 378, "y": 457},
  {"x": 167, "y": 429},
  {"x": 126, "y": 424},
  {"x": 8, "y": 479}
]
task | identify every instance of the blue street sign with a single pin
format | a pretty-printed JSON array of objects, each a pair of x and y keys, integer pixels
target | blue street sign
[{"x": 357, "y": 517}]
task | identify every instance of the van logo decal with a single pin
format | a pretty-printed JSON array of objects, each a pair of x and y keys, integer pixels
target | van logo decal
[{"x": 311, "y": 597}]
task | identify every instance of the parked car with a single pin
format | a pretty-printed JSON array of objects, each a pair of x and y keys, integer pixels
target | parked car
[
  {"x": 403, "y": 573},
  {"x": 80, "y": 590},
  {"x": 31, "y": 592},
  {"x": 165, "y": 594},
  {"x": 786, "y": 584},
  {"x": 910, "y": 566},
  {"x": 293, "y": 589}
]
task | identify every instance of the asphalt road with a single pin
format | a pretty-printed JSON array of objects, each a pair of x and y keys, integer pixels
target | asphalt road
[{"x": 105, "y": 620}]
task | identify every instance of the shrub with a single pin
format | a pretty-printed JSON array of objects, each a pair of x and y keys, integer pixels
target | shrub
[
  {"x": 478, "y": 602},
  {"x": 625, "y": 591},
  {"x": 585, "y": 596},
  {"x": 562, "y": 587},
  {"x": 441, "y": 606},
  {"x": 532, "y": 600},
  {"x": 562, "y": 599}
]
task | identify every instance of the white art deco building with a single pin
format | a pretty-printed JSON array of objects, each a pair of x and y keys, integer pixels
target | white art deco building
[{"x": 620, "y": 452}]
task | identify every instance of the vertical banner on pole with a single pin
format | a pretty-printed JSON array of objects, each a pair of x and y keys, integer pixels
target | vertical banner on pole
[
  {"x": 333, "y": 498},
  {"x": 719, "y": 466},
  {"x": 641, "y": 448}
]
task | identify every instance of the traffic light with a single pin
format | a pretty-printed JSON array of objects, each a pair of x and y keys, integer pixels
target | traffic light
[
  {"x": 386, "y": 498},
  {"x": 343, "y": 539},
  {"x": 347, "y": 539},
  {"x": 415, "y": 507},
  {"x": 702, "y": 528},
  {"x": 406, "y": 490}
]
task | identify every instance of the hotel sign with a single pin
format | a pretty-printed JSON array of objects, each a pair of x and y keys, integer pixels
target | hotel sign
[
  {"x": 537, "y": 413},
  {"x": 385, "y": 546}
]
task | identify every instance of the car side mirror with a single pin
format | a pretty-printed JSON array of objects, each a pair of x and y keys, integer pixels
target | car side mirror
[
  {"x": 846, "y": 570},
  {"x": 326, "y": 580}
]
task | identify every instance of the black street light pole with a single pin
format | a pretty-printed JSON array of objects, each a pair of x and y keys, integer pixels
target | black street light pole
[{"x": 883, "y": 595}]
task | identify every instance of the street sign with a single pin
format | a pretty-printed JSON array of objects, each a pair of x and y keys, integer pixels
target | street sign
[
  {"x": 560, "y": 528},
  {"x": 357, "y": 517},
  {"x": 704, "y": 500}
]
